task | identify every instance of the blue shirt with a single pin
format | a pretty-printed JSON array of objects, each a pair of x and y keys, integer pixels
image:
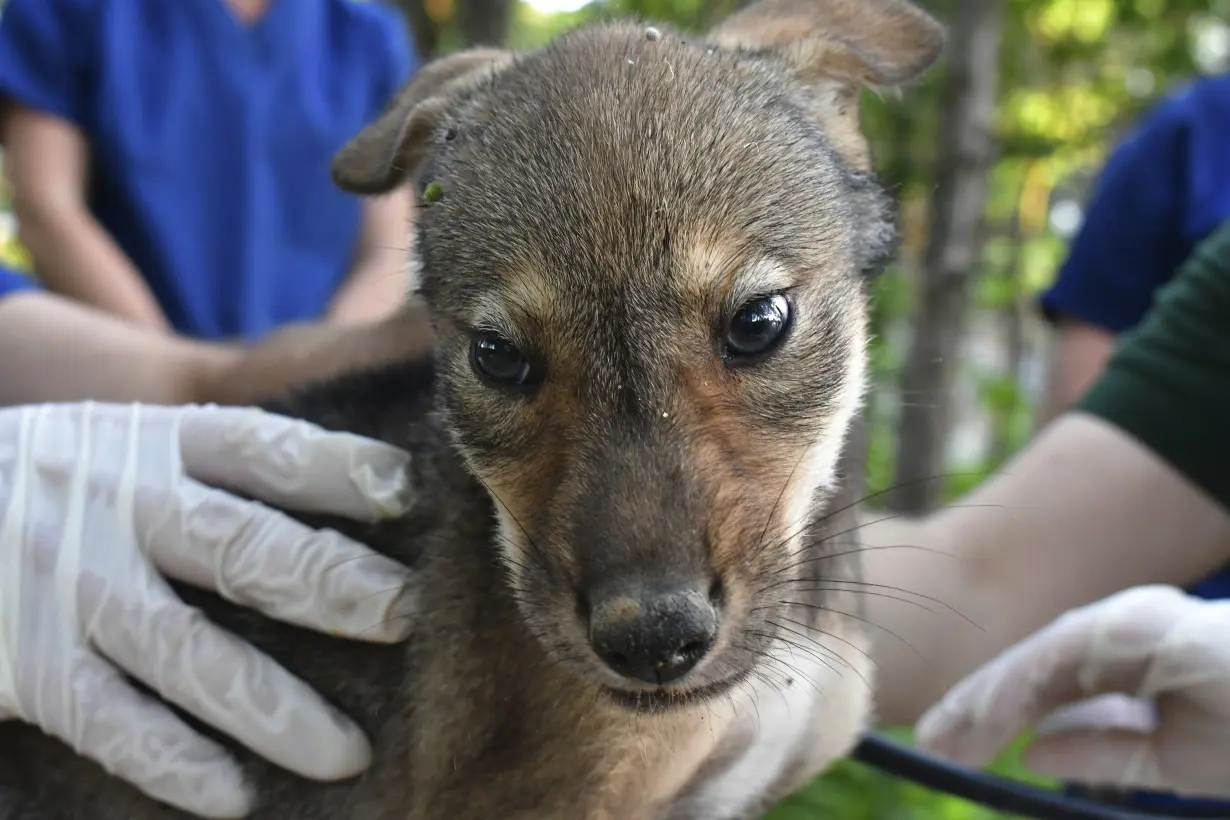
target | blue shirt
[
  {"x": 1162, "y": 192},
  {"x": 211, "y": 140},
  {"x": 11, "y": 281}
]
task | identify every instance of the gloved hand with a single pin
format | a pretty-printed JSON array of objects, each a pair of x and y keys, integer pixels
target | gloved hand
[
  {"x": 1153, "y": 642},
  {"x": 99, "y": 501}
]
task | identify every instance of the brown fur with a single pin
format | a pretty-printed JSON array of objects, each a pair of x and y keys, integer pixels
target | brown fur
[{"x": 606, "y": 204}]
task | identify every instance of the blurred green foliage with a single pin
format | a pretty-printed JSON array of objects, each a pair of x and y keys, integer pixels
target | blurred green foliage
[{"x": 850, "y": 791}]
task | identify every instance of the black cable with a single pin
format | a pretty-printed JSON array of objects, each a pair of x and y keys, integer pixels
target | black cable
[{"x": 1003, "y": 794}]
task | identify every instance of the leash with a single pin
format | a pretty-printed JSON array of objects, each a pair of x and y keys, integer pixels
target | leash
[{"x": 1003, "y": 794}]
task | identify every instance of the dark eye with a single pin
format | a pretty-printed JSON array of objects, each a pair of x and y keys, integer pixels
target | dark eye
[
  {"x": 757, "y": 328},
  {"x": 498, "y": 360}
]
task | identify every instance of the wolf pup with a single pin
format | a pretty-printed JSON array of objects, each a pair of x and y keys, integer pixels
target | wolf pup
[{"x": 645, "y": 257}]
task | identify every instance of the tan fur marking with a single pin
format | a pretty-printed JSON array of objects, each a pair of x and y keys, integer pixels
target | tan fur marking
[
  {"x": 709, "y": 263},
  {"x": 527, "y": 302},
  {"x": 744, "y": 470}
]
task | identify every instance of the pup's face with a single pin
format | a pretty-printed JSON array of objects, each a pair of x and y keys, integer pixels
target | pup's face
[{"x": 645, "y": 258}]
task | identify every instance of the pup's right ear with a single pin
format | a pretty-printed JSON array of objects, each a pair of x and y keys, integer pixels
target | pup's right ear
[
  {"x": 385, "y": 153},
  {"x": 838, "y": 47},
  {"x": 870, "y": 42}
]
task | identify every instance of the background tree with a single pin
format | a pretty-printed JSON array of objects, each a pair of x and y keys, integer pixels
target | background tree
[
  {"x": 449, "y": 24},
  {"x": 965, "y": 153}
]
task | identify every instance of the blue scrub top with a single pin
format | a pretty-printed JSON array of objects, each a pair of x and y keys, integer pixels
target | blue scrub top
[
  {"x": 1162, "y": 192},
  {"x": 11, "y": 281},
  {"x": 212, "y": 140}
]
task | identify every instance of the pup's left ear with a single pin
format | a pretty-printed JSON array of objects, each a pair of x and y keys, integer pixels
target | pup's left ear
[
  {"x": 389, "y": 150},
  {"x": 837, "y": 47}
]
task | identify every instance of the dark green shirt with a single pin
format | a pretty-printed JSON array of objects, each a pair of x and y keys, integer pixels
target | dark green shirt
[{"x": 1168, "y": 383}]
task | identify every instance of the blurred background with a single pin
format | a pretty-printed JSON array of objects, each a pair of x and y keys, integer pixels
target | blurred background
[{"x": 991, "y": 159}]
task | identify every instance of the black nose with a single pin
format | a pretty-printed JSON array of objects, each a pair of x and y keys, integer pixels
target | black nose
[{"x": 653, "y": 636}]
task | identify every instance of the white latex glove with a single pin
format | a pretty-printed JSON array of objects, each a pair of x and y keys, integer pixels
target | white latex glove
[
  {"x": 1153, "y": 642},
  {"x": 99, "y": 501}
]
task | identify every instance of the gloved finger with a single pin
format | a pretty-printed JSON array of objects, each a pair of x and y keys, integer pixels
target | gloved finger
[
  {"x": 230, "y": 685},
  {"x": 980, "y": 716},
  {"x": 293, "y": 464},
  {"x": 1098, "y": 757},
  {"x": 141, "y": 741},
  {"x": 1175, "y": 758},
  {"x": 983, "y": 713},
  {"x": 265, "y": 560},
  {"x": 1108, "y": 646},
  {"x": 1111, "y": 711}
]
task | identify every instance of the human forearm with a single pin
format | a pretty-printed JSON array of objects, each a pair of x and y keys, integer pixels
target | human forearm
[
  {"x": 47, "y": 163},
  {"x": 76, "y": 258},
  {"x": 376, "y": 287},
  {"x": 1078, "y": 356},
  {"x": 379, "y": 279},
  {"x": 1083, "y": 512},
  {"x": 53, "y": 349},
  {"x": 298, "y": 354}
]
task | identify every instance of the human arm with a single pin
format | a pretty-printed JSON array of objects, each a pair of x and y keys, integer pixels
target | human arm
[
  {"x": 43, "y": 96},
  {"x": 378, "y": 280},
  {"x": 301, "y": 353},
  {"x": 46, "y": 161},
  {"x": 53, "y": 349},
  {"x": 1126, "y": 489},
  {"x": 1079, "y": 353},
  {"x": 1082, "y": 512},
  {"x": 380, "y": 275}
]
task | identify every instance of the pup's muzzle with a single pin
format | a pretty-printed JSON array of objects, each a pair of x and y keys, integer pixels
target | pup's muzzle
[{"x": 654, "y": 634}]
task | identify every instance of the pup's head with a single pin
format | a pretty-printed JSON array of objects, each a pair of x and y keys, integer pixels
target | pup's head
[{"x": 645, "y": 255}]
